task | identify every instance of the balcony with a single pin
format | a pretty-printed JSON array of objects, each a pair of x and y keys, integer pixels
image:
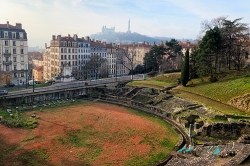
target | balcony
[
  {"x": 7, "y": 62},
  {"x": 6, "y": 54}
]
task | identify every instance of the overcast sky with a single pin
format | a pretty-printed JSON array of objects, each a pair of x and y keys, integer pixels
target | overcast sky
[{"x": 166, "y": 18}]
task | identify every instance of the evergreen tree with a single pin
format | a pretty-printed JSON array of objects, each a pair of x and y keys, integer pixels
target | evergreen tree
[{"x": 185, "y": 69}]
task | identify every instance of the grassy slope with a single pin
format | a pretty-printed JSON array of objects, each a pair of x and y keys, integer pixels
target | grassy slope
[
  {"x": 213, "y": 95},
  {"x": 158, "y": 82}
]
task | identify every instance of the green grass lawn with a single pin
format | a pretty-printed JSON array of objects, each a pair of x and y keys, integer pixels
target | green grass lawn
[
  {"x": 222, "y": 90},
  {"x": 159, "y": 82},
  {"x": 150, "y": 84}
]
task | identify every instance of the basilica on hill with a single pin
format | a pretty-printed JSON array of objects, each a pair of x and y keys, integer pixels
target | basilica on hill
[{"x": 111, "y": 30}]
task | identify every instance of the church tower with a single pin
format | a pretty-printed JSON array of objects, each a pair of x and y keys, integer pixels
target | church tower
[{"x": 129, "y": 26}]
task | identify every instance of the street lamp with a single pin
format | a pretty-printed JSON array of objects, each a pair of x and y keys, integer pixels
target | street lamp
[
  {"x": 26, "y": 77},
  {"x": 33, "y": 84}
]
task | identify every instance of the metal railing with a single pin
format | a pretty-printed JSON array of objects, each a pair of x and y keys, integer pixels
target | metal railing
[{"x": 77, "y": 84}]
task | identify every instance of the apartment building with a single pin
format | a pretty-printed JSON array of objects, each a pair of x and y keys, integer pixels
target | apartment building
[
  {"x": 38, "y": 74},
  {"x": 63, "y": 58},
  {"x": 98, "y": 50},
  {"x": 137, "y": 51},
  {"x": 118, "y": 63},
  {"x": 14, "y": 52},
  {"x": 83, "y": 55}
]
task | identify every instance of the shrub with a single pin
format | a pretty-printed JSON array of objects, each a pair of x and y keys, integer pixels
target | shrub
[
  {"x": 172, "y": 71},
  {"x": 213, "y": 79},
  {"x": 152, "y": 73}
]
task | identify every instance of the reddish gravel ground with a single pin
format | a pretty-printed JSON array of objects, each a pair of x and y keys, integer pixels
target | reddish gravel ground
[{"x": 86, "y": 134}]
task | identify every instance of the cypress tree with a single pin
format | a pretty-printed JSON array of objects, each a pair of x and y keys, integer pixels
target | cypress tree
[{"x": 185, "y": 69}]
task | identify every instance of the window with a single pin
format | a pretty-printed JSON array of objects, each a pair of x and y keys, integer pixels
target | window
[
  {"x": 14, "y": 43},
  {"x": 65, "y": 50},
  {"x": 14, "y": 59},
  {"x": 21, "y": 35},
  {"x": 6, "y": 43},
  {"x": 7, "y": 68},
  {"x": 21, "y": 51},
  {"x": 15, "y": 75},
  {"x": 69, "y": 50},
  {"x": 22, "y": 74},
  {"x": 6, "y": 50},
  {"x": 61, "y": 56},
  {"x": 61, "y": 50},
  {"x": 22, "y": 59},
  {"x": 21, "y": 43},
  {"x": 72, "y": 50},
  {"x": 14, "y": 51},
  {"x": 13, "y": 35},
  {"x": 6, "y": 35},
  {"x": 69, "y": 57},
  {"x": 15, "y": 67}
]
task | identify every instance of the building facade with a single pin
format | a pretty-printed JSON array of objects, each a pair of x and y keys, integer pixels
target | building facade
[
  {"x": 83, "y": 55},
  {"x": 38, "y": 74},
  {"x": 63, "y": 58},
  {"x": 13, "y": 53}
]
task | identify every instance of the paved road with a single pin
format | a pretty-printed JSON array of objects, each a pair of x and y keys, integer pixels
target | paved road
[{"x": 75, "y": 84}]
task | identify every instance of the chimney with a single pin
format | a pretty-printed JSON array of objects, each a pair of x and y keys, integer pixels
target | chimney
[
  {"x": 75, "y": 36},
  {"x": 154, "y": 42},
  {"x": 18, "y": 25},
  {"x": 59, "y": 37},
  {"x": 68, "y": 35},
  {"x": 8, "y": 25},
  {"x": 82, "y": 38},
  {"x": 45, "y": 45},
  {"x": 87, "y": 38},
  {"x": 147, "y": 43},
  {"x": 53, "y": 37}
]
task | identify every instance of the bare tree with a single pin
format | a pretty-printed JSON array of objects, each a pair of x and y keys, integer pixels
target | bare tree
[
  {"x": 126, "y": 57},
  {"x": 93, "y": 66},
  {"x": 5, "y": 77}
]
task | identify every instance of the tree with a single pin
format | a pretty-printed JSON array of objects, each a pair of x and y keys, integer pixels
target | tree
[
  {"x": 235, "y": 35},
  {"x": 153, "y": 60},
  {"x": 174, "y": 56},
  {"x": 194, "y": 63},
  {"x": 125, "y": 57},
  {"x": 209, "y": 49},
  {"x": 185, "y": 70},
  {"x": 5, "y": 77},
  {"x": 92, "y": 67}
]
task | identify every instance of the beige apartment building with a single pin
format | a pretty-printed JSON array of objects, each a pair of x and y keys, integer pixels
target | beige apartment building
[
  {"x": 60, "y": 59},
  {"x": 38, "y": 74},
  {"x": 137, "y": 51}
]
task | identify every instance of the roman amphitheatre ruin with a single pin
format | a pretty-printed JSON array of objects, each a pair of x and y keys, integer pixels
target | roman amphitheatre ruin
[{"x": 100, "y": 129}]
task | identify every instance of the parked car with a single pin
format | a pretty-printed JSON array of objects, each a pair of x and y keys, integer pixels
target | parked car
[
  {"x": 9, "y": 85},
  {"x": 3, "y": 92}
]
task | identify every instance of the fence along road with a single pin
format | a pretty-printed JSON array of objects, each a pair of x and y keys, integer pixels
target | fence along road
[{"x": 77, "y": 84}]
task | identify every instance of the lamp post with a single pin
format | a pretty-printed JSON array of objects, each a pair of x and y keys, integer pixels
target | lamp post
[
  {"x": 33, "y": 84},
  {"x": 26, "y": 77}
]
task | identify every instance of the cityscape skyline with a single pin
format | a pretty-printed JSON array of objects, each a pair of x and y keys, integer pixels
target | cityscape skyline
[{"x": 43, "y": 18}]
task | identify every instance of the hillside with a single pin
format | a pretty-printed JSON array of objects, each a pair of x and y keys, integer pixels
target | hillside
[
  {"x": 124, "y": 38},
  {"x": 230, "y": 94}
]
